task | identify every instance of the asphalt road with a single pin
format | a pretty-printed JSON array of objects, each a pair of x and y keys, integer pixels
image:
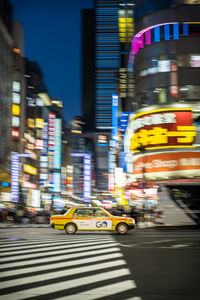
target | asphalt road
[{"x": 145, "y": 264}]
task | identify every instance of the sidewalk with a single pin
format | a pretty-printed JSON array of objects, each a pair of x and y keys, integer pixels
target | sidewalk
[{"x": 13, "y": 225}]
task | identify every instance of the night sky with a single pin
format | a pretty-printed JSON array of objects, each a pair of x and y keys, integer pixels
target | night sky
[{"x": 52, "y": 35}]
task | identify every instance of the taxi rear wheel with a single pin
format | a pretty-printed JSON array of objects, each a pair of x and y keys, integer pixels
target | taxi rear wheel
[
  {"x": 70, "y": 228},
  {"x": 122, "y": 228}
]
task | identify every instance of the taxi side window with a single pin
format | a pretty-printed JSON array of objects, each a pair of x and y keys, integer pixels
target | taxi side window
[
  {"x": 99, "y": 213},
  {"x": 82, "y": 213}
]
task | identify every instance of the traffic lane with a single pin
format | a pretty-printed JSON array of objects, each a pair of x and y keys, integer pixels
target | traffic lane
[
  {"x": 162, "y": 238},
  {"x": 164, "y": 265}
]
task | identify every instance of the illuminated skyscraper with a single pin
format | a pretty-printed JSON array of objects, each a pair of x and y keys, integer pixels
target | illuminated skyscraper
[
  {"x": 107, "y": 34},
  {"x": 107, "y": 60}
]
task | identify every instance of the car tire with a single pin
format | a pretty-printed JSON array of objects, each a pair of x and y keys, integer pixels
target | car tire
[
  {"x": 70, "y": 228},
  {"x": 122, "y": 228}
]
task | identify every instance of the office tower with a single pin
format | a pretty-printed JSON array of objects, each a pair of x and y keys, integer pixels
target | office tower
[
  {"x": 104, "y": 72},
  {"x": 18, "y": 90},
  {"x": 6, "y": 44},
  {"x": 107, "y": 54},
  {"x": 88, "y": 69}
]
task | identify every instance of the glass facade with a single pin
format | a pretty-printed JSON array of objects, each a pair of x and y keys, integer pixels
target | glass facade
[{"x": 107, "y": 60}]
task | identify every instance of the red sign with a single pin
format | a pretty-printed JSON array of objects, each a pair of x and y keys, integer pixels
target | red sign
[
  {"x": 164, "y": 127},
  {"x": 39, "y": 144},
  {"x": 15, "y": 133}
]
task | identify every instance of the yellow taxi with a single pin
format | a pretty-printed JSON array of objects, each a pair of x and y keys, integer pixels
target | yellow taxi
[{"x": 91, "y": 218}]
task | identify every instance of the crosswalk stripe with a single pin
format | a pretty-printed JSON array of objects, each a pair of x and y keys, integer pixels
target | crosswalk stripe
[
  {"x": 61, "y": 264},
  {"x": 65, "y": 285},
  {"x": 18, "y": 244},
  {"x": 134, "y": 298},
  {"x": 61, "y": 274},
  {"x": 104, "y": 291},
  {"x": 57, "y": 252},
  {"x": 58, "y": 258},
  {"x": 48, "y": 248}
]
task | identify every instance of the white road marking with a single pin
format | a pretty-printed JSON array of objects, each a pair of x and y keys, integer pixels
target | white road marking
[
  {"x": 56, "y": 252},
  {"x": 27, "y": 245},
  {"x": 179, "y": 246},
  {"x": 57, "y": 287},
  {"x": 59, "y": 258},
  {"x": 62, "y": 264},
  {"x": 104, "y": 291},
  {"x": 60, "y": 274},
  {"x": 48, "y": 248}
]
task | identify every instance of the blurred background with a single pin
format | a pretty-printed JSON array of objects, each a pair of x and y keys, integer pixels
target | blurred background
[{"x": 104, "y": 112}]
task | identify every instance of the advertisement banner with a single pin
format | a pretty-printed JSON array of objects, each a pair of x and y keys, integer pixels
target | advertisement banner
[
  {"x": 51, "y": 129},
  {"x": 168, "y": 165},
  {"x": 115, "y": 120},
  {"x": 163, "y": 128},
  {"x": 57, "y": 145}
]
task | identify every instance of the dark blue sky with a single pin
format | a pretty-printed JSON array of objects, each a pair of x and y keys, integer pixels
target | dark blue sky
[{"x": 52, "y": 30}]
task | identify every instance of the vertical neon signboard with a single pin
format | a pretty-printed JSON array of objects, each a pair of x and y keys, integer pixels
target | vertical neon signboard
[
  {"x": 57, "y": 145},
  {"x": 167, "y": 32},
  {"x": 51, "y": 123},
  {"x": 157, "y": 34},
  {"x": 87, "y": 177},
  {"x": 56, "y": 182},
  {"x": 115, "y": 120},
  {"x": 86, "y": 174},
  {"x": 176, "y": 31},
  {"x": 15, "y": 177}
]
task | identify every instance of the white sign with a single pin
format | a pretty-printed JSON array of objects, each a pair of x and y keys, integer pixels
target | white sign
[
  {"x": 93, "y": 223},
  {"x": 164, "y": 66},
  {"x": 165, "y": 118}
]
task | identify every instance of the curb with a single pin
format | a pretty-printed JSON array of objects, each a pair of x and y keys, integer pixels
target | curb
[{"x": 5, "y": 226}]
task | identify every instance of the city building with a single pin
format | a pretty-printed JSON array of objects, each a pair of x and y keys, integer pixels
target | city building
[
  {"x": 166, "y": 53},
  {"x": 18, "y": 89},
  {"x": 105, "y": 73},
  {"x": 6, "y": 80},
  {"x": 162, "y": 136}
]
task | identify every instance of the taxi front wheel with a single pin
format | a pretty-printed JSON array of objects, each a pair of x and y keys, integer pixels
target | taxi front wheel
[
  {"x": 122, "y": 228},
  {"x": 70, "y": 228}
]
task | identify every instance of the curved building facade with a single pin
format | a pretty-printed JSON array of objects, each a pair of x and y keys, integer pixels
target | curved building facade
[
  {"x": 162, "y": 139},
  {"x": 166, "y": 53}
]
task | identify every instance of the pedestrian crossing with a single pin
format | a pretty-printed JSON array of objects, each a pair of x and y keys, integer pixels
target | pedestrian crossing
[{"x": 65, "y": 267}]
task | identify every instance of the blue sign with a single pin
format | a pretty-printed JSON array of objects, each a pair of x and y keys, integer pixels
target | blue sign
[
  {"x": 115, "y": 120},
  {"x": 15, "y": 175}
]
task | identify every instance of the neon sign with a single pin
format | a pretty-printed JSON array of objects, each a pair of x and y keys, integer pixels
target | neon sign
[
  {"x": 115, "y": 120},
  {"x": 167, "y": 127},
  {"x": 15, "y": 175},
  {"x": 86, "y": 174}
]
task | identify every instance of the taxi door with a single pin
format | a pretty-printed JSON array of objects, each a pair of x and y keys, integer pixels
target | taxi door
[
  {"x": 83, "y": 218},
  {"x": 101, "y": 221}
]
